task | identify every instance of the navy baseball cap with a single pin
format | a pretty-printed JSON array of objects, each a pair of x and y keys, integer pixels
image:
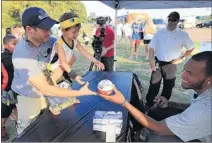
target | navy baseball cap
[{"x": 37, "y": 17}]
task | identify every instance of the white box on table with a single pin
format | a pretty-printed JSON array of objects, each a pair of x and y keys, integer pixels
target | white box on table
[{"x": 102, "y": 118}]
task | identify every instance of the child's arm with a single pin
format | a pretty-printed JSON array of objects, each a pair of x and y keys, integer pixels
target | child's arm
[
  {"x": 62, "y": 57},
  {"x": 89, "y": 56},
  {"x": 73, "y": 59}
]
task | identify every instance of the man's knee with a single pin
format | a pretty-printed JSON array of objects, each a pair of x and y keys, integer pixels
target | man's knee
[
  {"x": 156, "y": 77},
  {"x": 162, "y": 113},
  {"x": 170, "y": 71}
]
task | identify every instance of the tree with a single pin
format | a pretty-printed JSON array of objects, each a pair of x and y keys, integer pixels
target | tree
[
  {"x": 12, "y": 10},
  {"x": 92, "y": 17}
]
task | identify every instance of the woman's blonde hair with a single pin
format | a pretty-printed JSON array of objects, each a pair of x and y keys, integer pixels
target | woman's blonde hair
[{"x": 150, "y": 27}]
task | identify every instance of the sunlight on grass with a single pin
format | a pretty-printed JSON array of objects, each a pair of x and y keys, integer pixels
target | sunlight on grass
[{"x": 124, "y": 60}]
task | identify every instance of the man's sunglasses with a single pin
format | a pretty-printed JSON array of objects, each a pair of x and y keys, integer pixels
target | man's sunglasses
[{"x": 172, "y": 20}]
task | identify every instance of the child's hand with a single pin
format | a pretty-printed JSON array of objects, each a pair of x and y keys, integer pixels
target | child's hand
[
  {"x": 100, "y": 65},
  {"x": 79, "y": 80}
]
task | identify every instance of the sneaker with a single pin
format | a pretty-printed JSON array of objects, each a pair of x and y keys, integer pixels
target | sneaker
[{"x": 4, "y": 135}]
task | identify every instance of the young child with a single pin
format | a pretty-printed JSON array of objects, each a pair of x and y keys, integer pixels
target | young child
[
  {"x": 7, "y": 107},
  {"x": 62, "y": 56}
]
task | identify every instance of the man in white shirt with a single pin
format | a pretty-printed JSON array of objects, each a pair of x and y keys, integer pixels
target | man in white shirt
[
  {"x": 165, "y": 52},
  {"x": 195, "y": 120}
]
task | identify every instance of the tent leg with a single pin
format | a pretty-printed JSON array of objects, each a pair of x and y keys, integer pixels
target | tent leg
[{"x": 115, "y": 40}]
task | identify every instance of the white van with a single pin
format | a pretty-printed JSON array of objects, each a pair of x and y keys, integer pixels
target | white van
[{"x": 189, "y": 22}]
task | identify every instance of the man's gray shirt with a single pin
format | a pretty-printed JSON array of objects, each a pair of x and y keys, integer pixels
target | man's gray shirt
[
  {"x": 195, "y": 121},
  {"x": 29, "y": 61}
]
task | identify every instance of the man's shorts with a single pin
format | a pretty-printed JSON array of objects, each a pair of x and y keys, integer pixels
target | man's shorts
[
  {"x": 147, "y": 41},
  {"x": 6, "y": 110},
  {"x": 28, "y": 109}
]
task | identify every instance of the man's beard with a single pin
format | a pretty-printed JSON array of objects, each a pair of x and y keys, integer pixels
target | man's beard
[
  {"x": 40, "y": 40},
  {"x": 194, "y": 86}
]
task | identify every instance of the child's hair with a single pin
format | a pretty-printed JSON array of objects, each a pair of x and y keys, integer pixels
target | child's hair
[
  {"x": 67, "y": 16},
  {"x": 17, "y": 26},
  {"x": 8, "y": 38}
]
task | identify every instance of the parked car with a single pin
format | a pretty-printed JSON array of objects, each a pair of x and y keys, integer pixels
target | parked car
[{"x": 204, "y": 24}]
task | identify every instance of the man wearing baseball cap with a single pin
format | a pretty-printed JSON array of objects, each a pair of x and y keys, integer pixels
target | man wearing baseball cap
[
  {"x": 164, "y": 55},
  {"x": 31, "y": 55}
]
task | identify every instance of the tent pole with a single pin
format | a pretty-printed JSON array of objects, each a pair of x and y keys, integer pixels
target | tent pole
[{"x": 115, "y": 40}]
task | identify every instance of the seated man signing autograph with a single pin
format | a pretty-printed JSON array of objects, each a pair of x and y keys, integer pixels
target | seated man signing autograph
[{"x": 194, "y": 123}]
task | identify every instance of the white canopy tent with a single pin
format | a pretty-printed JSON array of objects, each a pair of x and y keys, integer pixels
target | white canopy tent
[{"x": 152, "y": 4}]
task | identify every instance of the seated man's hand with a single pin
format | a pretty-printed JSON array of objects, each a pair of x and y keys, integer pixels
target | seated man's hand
[
  {"x": 161, "y": 101},
  {"x": 79, "y": 80},
  {"x": 86, "y": 91},
  {"x": 117, "y": 98},
  {"x": 99, "y": 65}
]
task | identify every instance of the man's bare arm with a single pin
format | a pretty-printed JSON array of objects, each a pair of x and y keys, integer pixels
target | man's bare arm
[
  {"x": 151, "y": 54},
  {"x": 188, "y": 53},
  {"x": 158, "y": 127},
  {"x": 40, "y": 83}
]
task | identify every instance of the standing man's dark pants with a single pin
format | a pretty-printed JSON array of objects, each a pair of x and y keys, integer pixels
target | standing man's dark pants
[
  {"x": 108, "y": 63},
  {"x": 167, "y": 72}
]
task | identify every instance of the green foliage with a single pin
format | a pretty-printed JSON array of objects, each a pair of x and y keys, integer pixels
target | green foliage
[{"x": 12, "y": 10}]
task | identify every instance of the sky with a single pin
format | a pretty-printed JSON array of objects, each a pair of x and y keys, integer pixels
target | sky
[{"x": 102, "y": 10}]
